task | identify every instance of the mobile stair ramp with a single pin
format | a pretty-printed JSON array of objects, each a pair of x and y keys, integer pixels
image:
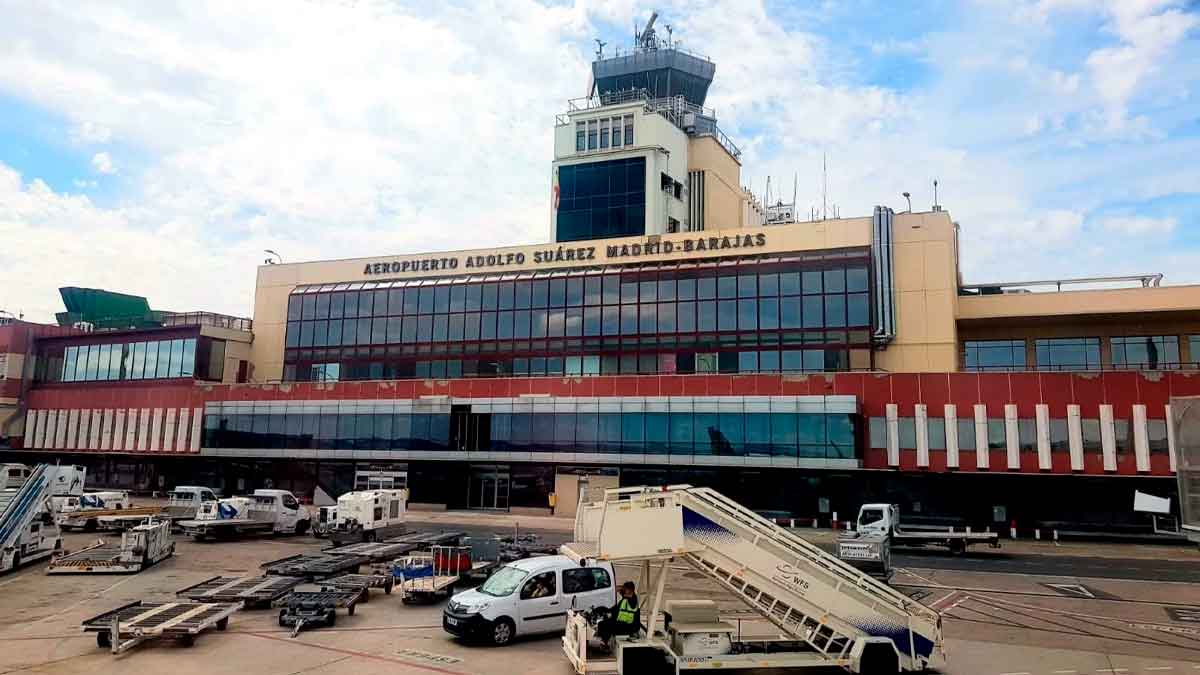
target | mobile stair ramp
[
  {"x": 811, "y": 595},
  {"x": 18, "y": 508}
]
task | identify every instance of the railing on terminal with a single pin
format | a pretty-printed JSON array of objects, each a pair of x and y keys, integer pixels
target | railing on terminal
[
  {"x": 1152, "y": 280},
  {"x": 156, "y": 319}
]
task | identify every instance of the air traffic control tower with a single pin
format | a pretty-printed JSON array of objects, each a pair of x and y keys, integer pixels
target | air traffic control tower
[{"x": 641, "y": 155}]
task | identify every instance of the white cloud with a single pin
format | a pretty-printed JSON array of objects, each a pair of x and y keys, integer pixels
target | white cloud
[
  {"x": 1138, "y": 225},
  {"x": 90, "y": 132},
  {"x": 102, "y": 163}
]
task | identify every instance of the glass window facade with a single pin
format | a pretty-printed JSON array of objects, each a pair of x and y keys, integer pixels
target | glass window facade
[
  {"x": 995, "y": 355},
  {"x": 750, "y": 315},
  {"x": 1152, "y": 352},
  {"x": 734, "y": 434},
  {"x": 1068, "y": 353},
  {"x": 143, "y": 360},
  {"x": 602, "y": 199}
]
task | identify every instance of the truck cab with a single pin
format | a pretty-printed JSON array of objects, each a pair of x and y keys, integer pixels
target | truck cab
[
  {"x": 289, "y": 514},
  {"x": 878, "y": 518},
  {"x": 185, "y": 501}
]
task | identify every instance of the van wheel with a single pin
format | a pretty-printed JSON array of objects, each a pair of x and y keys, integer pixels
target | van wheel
[
  {"x": 90, "y": 526},
  {"x": 102, "y": 640},
  {"x": 502, "y": 632},
  {"x": 302, "y": 527},
  {"x": 879, "y": 659},
  {"x": 958, "y": 547}
]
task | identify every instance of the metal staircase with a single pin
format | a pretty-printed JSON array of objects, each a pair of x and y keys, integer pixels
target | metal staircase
[
  {"x": 810, "y": 595},
  {"x": 19, "y": 506}
]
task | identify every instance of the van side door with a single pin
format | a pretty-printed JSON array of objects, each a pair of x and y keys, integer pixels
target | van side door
[
  {"x": 588, "y": 587},
  {"x": 540, "y": 605}
]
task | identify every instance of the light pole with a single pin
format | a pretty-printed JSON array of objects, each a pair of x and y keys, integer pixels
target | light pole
[
  {"x": 908, "y": 198},
  {"x": 278, "y": 258}
]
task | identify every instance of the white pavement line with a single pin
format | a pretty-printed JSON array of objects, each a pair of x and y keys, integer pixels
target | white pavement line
[
  {"x": 1064, "y": 672},
  {"x": 1160, "y": 667},
  {"x": 1023, "y": 672},
  {"x": 1112, "y": 670}
]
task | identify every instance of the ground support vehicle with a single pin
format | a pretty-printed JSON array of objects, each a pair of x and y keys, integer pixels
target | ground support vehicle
[
  {"x": 184, "y": 501},
  {"x": 139, "y": 548},
  {"x": 430, "y": 577},
  {"x": 252, "y": 592},
  {"x": 264, "y": 512},
  {"x": 1185, "y": 427},
  {"x": 833, "y": 614},
  {"x": 90, "y": 520},
  {"x": 368, "y": 515},
  {"x": 361, "y": 582},
  {"x": 528, "y": 597},
  {"x": 126, "y": 627},
  {"x": 27, "y": 528},
  {"x": 301, "y": 609},
  {"x": 314, "y": 566},
  {"x": 869, "y": 552},
  {"x": 884, "y": 520}
]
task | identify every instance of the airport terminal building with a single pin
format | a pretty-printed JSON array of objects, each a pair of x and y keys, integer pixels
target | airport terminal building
[{"x": 674, "y": 329}]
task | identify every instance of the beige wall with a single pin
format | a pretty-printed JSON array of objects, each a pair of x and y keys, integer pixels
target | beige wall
[
  {"x": 237, "y": 348},
  {"x": 723, "y": 195},
  {"x": 275, "y": 282},
  {"x": 926, "y": 295}
]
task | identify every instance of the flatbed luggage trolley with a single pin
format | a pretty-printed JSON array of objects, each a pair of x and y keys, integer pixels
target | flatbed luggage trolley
[
  {"x": 126, "y": 627},
  {"x": 430, "y": 577},
  {"x": 361, "y": 582},
  {"x": 314, "y": 566},
  {"x": 301, "y": 609},
  {"x": 252, "y": 592}
]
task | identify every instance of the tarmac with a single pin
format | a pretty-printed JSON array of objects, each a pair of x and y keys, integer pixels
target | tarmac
[{"x": 998, "y": 617}]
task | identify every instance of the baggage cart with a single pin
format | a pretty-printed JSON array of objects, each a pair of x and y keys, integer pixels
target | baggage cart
[
  {"x": 252, "y": 592},
  {"x": 128, "y": 626}
]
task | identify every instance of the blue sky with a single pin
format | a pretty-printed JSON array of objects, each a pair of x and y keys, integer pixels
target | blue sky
[{"x": 157, "y": 149}]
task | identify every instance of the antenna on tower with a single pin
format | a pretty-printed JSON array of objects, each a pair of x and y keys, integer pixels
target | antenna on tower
[
  {"x": 824, "y": 186},
  {"x": 936, "y": 206},
  {"x": 599, "y": 48},
  {"x": 670, "y": 36}
]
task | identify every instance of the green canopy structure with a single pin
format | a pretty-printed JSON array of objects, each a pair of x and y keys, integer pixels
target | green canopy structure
[{"x": 106, "y": 309}]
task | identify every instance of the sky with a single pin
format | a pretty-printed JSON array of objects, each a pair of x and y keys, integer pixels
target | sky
[{"x": 159, "y": 148}]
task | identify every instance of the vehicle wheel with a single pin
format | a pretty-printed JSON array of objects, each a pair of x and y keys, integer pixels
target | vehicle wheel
[
  {"x": 502, "y": 632},
  {"x": 387, "y": 587},
  {"x": 958, "y": 547},
  {"x": 302, "y": 527},
  {"x": 331, "y": 617},
  {"x": 90, "y": 526},
  {"x": 16, "y": 560},
  {"x": 365, "y": 596},
  {"x": 223, "y": 624},
  {"x": 102, "y": 640},
  {"x": 119, "y": 507},
  {"x": 283, "y": 617},
  {"x": 187, "y": 640},
  {"x": 351, "y": 608}
]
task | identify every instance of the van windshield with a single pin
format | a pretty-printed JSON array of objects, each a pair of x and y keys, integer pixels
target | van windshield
[{"x": 503, "y": 582}]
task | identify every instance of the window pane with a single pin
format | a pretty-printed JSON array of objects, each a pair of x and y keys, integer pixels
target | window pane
[
  {"x": 966, "y": 435},
  {"x": 176, "y": 368},
  {"x": 994, "y": 355},
  {"x": 188, "y": 367},
  {"x": 1068, "y": 354},
  {"x": 747, "y": 314}
]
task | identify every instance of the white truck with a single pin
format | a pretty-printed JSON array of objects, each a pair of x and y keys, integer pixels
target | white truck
[
  {"x": 884, "y": 520},
  {"x": 828, "y": 614},
  {"x": 184, "y": 501},
  {"x": 141, "y": 546},
  {"x": 264, "y": 512},
  {"x": 77, "y": 510},
  {"x": 27, "y": 528},
  {"x": 368, "y": 515}
]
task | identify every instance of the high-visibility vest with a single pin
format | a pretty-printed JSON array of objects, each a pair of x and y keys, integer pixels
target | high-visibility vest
[{"x": 625, "y": 612}]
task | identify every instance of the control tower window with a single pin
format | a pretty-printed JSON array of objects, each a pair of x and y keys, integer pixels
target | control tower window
[
  {"x": 604, "y": 133},
  {"x": 616, "y": 132},
  {"x": 580, "y": 136},
  {"x": 629, "y": 130},
  {"x": 593, "y": 126}
]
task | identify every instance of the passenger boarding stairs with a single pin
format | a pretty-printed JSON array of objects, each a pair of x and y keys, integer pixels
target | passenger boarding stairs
[
  {"x": 19, "y": 506},
  {"x": 810, "y": 595}
]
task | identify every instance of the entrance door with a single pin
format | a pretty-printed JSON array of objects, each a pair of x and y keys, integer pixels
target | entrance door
[{"x": 488, "y": 488}]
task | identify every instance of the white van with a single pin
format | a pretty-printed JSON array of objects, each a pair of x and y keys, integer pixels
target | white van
[
  {"x": 528, "y": 597},
  {"x": 185, "y": 500}
]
